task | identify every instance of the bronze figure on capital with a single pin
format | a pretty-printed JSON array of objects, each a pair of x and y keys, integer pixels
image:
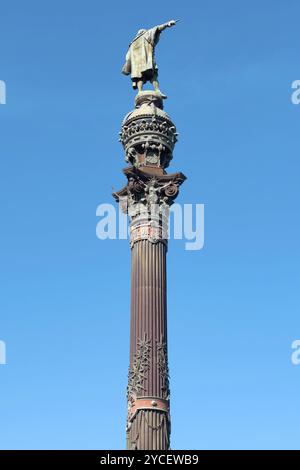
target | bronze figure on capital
[{"x": 140, "y": 58}]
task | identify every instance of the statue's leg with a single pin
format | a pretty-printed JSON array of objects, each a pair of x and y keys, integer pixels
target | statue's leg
[
  {"x": 154, "y": 81},
  {"x": 140, "y": 85}
]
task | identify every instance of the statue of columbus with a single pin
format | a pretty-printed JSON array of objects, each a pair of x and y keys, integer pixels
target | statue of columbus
[{"x": 140, "y": 58}]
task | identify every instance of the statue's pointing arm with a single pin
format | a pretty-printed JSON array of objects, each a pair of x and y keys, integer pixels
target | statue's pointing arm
[
  {"x": 152, "y": 35},
  {"x": 166, "y": 25}
]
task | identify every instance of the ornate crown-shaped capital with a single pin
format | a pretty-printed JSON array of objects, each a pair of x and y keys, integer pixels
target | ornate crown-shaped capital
[{"x": 148, "y": 135}]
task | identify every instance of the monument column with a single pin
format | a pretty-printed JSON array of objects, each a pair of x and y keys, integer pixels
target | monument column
[{"x": 148, "y": 136}]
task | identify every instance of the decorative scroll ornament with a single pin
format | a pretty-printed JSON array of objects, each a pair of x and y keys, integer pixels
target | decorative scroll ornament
[
  {"x": 140, "y": 367},
  {"x": 138, "y": 372},
  {"x": 147, "y": 199},
  {"x": 163, "y": 367}
]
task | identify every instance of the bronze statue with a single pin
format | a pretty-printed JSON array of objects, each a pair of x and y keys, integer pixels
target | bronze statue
[{"x": 140, "y": 58}]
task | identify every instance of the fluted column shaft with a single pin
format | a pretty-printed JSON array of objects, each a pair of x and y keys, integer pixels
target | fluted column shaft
[{"x": 150, "y": 427}]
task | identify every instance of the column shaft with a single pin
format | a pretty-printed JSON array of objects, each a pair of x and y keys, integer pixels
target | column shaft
[{"x": 148, "y": 374}]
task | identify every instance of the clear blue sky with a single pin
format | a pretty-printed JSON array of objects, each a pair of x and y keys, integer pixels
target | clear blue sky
[{"x": 227, "y": 68}]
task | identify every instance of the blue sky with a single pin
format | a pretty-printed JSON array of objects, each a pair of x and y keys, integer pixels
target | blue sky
[{"x": 227, "y": 68}]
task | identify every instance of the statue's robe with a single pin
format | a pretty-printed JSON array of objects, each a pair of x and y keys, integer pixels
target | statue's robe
[{"x": 140, "y": 60}]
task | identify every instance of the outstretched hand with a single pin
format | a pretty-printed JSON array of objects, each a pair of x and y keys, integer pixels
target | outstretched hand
[{"x": 171, "y": 23}]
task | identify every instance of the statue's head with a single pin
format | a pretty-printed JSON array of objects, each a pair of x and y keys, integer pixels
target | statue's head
[{"x": 141, "y": 31}]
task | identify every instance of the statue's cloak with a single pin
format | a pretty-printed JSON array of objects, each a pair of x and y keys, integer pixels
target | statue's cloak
[{"x": 140, "y": 60}]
